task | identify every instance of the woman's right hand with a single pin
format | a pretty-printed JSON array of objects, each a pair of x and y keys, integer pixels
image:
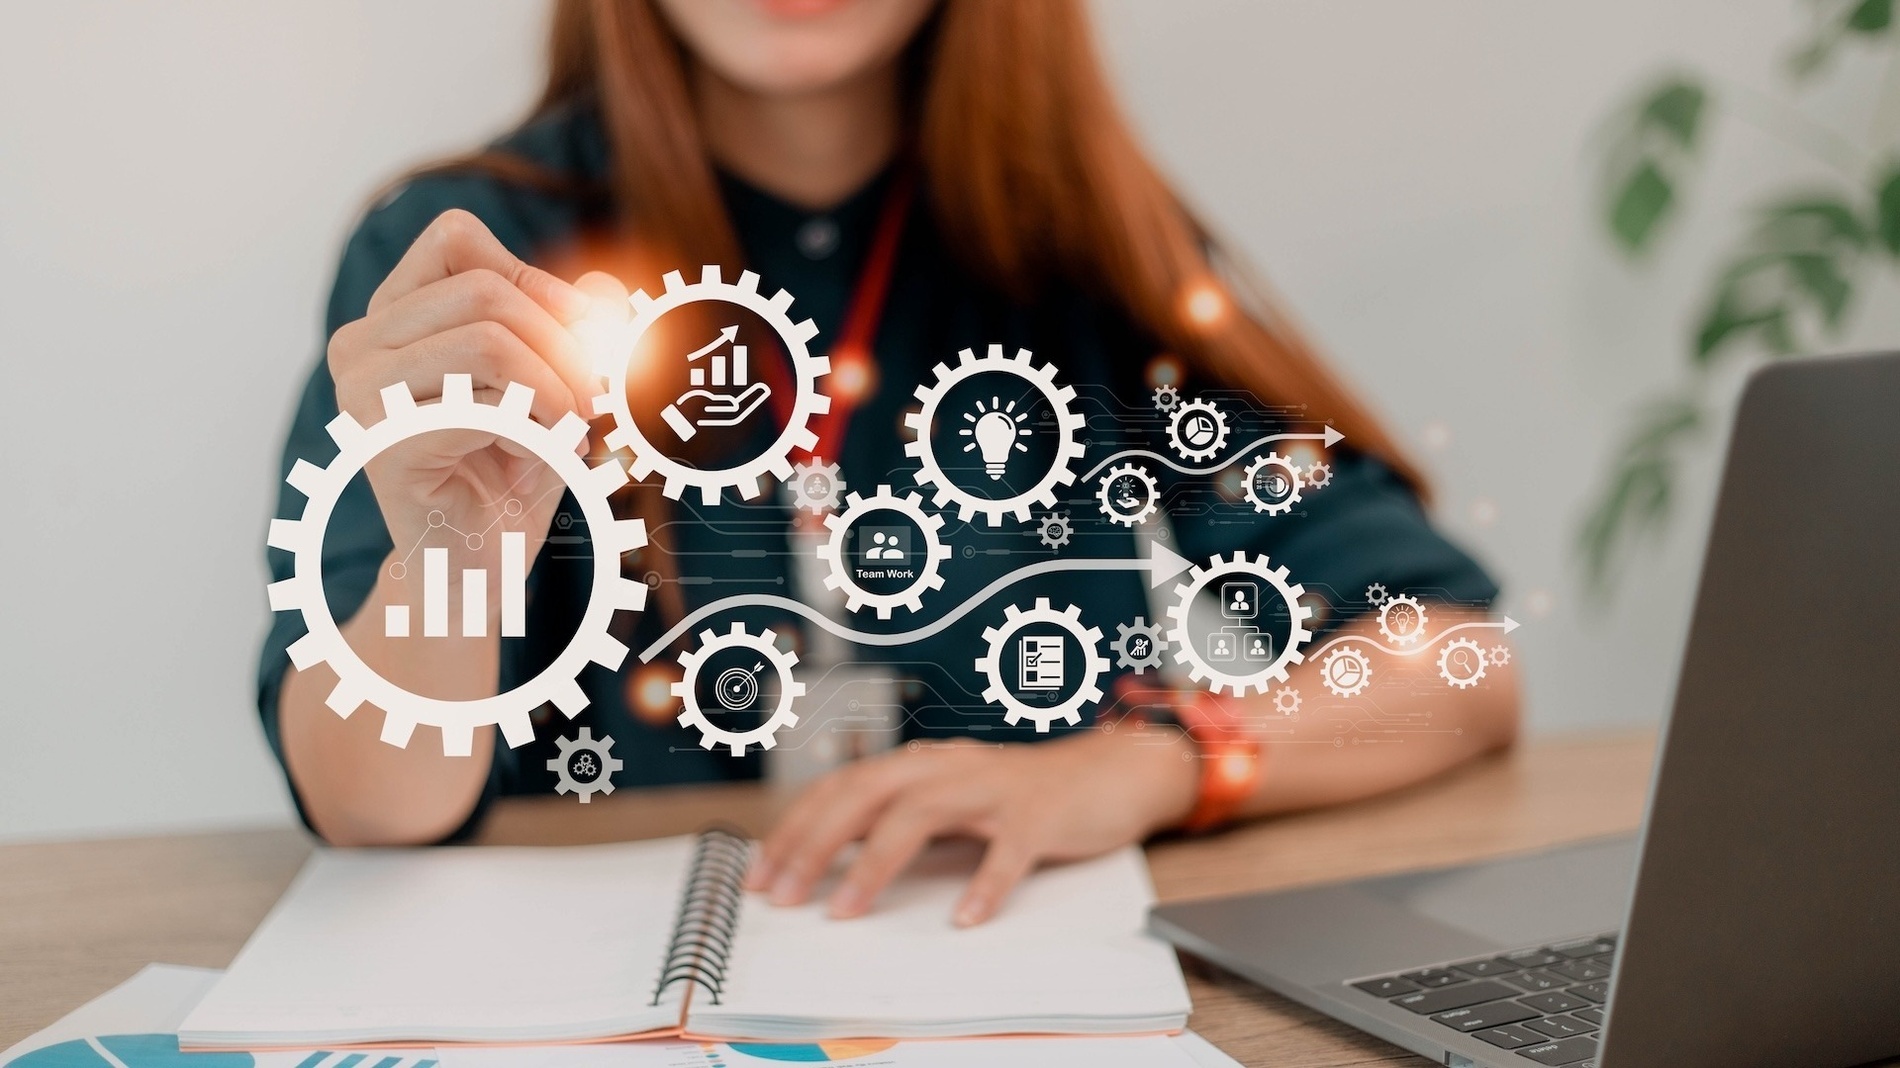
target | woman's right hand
[{"x": 461, "y": 303}]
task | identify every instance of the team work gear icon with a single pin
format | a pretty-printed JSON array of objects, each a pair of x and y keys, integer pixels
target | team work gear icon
[{"x": 357, "y": 683}]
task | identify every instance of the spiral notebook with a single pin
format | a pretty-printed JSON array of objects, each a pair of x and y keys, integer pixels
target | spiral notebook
[{"x": 541, "y": 945}]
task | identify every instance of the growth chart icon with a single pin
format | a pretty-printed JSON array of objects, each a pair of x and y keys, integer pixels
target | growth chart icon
[{"x": 723, "y": 398}]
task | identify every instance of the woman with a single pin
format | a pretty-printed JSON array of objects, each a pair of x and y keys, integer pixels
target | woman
[{"x": 786, "y": 136}]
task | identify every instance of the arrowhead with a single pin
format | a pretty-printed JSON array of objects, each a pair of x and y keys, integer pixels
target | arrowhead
[
  {"x": 731, "y": 332},
  {"x": 1509, "y": 624},
  {"x": 1164, "y": 563},
  {"x": 1333, "y": 437}
]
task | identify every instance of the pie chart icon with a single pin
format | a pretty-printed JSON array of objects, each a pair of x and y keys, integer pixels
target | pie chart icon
[{"x": 1198, "y": 430}]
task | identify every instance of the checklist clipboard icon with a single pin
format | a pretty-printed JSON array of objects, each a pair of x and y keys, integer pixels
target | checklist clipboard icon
[{"x": 1041, "y": 665}]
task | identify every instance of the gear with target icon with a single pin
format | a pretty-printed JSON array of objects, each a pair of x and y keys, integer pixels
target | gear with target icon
[
  {"x": 613, "y": 360},
  {"x": 585, "y": 766},
  {"x": 693, "y": 715},
  {"x": 929, "y": 560},
  {"x": 1219, "y": 678},
  {"x": 1061, "y": 401},
  {"x": 1094, "y": 665},
  {"x": 357, "y": 682},
  {"x": 1268, "y": 465}
]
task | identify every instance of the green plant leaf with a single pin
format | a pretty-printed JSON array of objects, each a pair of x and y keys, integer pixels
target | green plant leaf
[
  {"x": 1887, "y": 212},
  {"x": 1638, "y": 497},
  {"x": 1855, "y": 18},
  {"x": 1870, "y": 16},
  {"x": 1642, "y": 203},
  {"x": 1812, "y": 221},
  {"x": 1801, "y": 260},
  {"x": 1675, "y": 109}
]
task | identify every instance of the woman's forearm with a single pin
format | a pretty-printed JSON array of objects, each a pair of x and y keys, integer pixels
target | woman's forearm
[
  {"x": 1420, "y": 730},
  {"x": 358, "y": 789}
]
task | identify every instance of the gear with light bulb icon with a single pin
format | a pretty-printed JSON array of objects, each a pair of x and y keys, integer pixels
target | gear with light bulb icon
[{"x": 996, "y": 431}]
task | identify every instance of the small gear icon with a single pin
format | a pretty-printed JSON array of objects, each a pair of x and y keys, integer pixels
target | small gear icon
[
  {"x": 1498, "y": 654},
  {"x": 1054, "y": 531},
  {"x": 1346, "y": 671},
  {"x": 1202, "y": 418},
  {"x": 1068, "y": 620},
  {"x": 1408, "y": 611},
  {"x": 1138, "y": 645},
  {"x": 585, "y": 766},
  {"x": 356, "y": 681},
  {"x": 1318, "y": 475},
  {"x": 1461, "y": 663},
  {"x": 1376, "y": 594},
  {"x": 1218, "y": 679},
  {"x": 1166, "y": 398},
  {"x": 817, "y": 486},
  {"x": 1061, "y": 400},
  {"x": 1267, "y": 464},
  {"x": 766, "y": 646},
  {"x": 928, "y": 561},
  {"x": 1286, "y": 700},
  {"x": 807, "y": 402},
  {"x": 1128, "y": 511}
]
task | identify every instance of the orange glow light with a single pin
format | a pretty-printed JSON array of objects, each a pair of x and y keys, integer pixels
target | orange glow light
[{"x": 1204, "y": 304}]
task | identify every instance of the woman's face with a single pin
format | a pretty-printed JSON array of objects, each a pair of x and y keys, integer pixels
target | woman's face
[{"x": 793, "y": 47}]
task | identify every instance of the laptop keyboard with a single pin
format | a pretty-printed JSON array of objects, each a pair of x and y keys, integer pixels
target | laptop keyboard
[{"x": 1543, "y": 1004}]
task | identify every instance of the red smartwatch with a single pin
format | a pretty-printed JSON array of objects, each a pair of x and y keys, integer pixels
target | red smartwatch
[{"x": 1232, "y": 762}]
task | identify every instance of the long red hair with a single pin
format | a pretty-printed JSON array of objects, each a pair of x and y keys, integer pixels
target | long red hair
[{"x": 1028, "y": 164}]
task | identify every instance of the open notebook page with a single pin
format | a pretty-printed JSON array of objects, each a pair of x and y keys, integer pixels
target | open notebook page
[
  {"x": 1065, "y": 955},
  {"x": 456, "y": 945}
]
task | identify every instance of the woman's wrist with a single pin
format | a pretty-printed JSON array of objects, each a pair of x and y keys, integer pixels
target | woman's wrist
[{"x": 1160, "y": 785}]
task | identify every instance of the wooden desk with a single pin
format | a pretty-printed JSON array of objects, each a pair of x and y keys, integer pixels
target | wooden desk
[{"x": 78, "y": 918}]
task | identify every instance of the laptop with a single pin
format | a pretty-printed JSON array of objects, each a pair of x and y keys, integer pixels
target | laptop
[{"x": 1755, "y": 918}]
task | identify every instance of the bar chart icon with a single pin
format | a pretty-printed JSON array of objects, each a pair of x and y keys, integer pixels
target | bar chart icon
[{"x": 513, "y": 595}]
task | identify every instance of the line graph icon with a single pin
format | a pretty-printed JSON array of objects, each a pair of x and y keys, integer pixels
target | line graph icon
[{"x": 436, "y": 587}]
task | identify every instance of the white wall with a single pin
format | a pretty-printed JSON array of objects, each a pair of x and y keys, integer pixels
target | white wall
[{"x": 175, "y": 181}]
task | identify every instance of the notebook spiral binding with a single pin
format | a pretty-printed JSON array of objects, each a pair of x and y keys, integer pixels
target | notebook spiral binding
[{"x": 708, "y": 915}]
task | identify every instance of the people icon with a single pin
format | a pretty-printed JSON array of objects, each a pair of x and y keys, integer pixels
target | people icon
[
  {"x": 1220, "y": 647},
  {"x": 1259, "y": 647},
  {"x": 1239, "y": 600},
  {"x": 884, "y": 547},
  {"x": 817, "y": 487}
]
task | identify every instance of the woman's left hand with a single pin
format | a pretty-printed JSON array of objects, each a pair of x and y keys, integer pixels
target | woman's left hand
[{"x": 1066, "y": 799}]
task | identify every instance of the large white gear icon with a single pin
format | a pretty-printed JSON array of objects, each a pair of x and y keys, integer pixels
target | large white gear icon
[
  {"x": 1094, "y": 664},
  {"x": 1351, "y": 655},
  {"x": 805, "y": 482},
  {"x": 1386, "y": 608},
  {"x": 766, "y": 646},
  {"x": 929, "y": 562},
  {"x": 1054, "y": 531},
  {"x": 1319, "y": 475},
  {"x": 1166, "y": 398},
  {"x": 1286, "y": 700},
  {"x": 356, "y": 682},
  {"x": 1126, "y": 633},
  {"x": 807, "y": 401},
  {"x": 1151, "y": 498},
  {"x": 1218, "y": 679},
  {"x": 1181, "y": 414},
  {"x": 1260, "y": 504},
  {"x": 1069, "y": 423},
  {"x": 594, "y": 753},
  {"x": 1463, "y": 682}
]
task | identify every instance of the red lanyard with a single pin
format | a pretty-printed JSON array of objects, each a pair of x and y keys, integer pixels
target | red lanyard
[{"x": 853, "y": 375}]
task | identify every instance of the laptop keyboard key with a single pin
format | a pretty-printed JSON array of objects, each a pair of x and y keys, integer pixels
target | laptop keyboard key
[
  {"x": 1589, "y": 947},
  {"x": 1479, "y": 1017},
  {"x": 1594, "y": 1016},
  {"x": 1426, "y": 1002},
  {"x": 1582, "y": 971},
  {"x": 1562, "y": 1051},
  {"x": 1537, "y": 982},
  {"x": 1560, "y": 1026},
  {"x": 1555, "y": 1001},
  {"x": 1511, "y": 1036},
  {"x": 1597, "y": 992},
  {"x": 1388, "y": 988},
  {"x": 1433, "y": 977},
  {"x": 1481, "y": 969}
]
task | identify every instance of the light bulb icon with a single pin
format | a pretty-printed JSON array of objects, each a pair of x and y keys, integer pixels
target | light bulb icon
[{"x": 994, "y": 431}]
